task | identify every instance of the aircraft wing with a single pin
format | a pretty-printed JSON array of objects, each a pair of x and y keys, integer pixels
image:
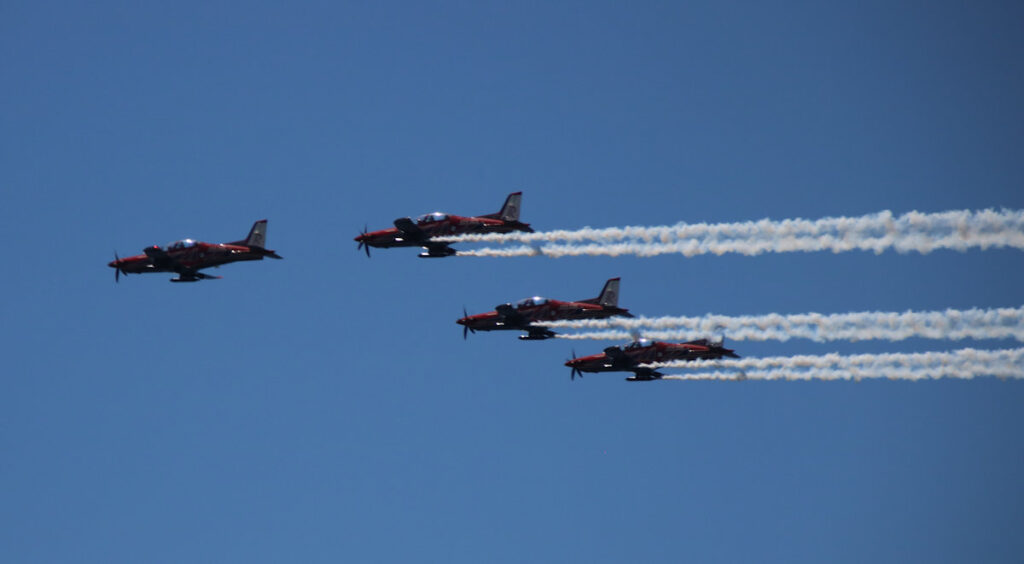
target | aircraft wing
[
  {"x": 410, "y": 232},
  {"x": 165, "y": 262},
  {"x": 511, "y": 317},
  {"x": 161, "y": 259},
  {"x": 615, "y": 354},
  {"x": 622, "y": 361}
]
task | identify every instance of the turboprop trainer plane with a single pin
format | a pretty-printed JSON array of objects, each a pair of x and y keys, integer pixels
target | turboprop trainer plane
[
  {"x": 629, "y": 358},
  {"x": 407, "y": 233},
  {"x": 522, "y": 316},
  {"x": 186, "y": 257}
]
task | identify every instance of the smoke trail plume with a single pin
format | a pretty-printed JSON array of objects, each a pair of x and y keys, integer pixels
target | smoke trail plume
[
  {"x": 962, "y": 364},
  {"x": 1001, "y": 323},
  {"x": 910, "y": 232}
]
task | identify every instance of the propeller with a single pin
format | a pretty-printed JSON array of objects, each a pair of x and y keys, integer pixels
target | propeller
[
  {"x": 363, "y": 244},
  {"x": 465, "y": 326},
  {"x": 575, "y": 370},
  {"x": 117, "y": 268}
]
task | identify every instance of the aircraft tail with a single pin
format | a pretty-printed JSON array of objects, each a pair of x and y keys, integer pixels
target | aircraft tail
[
  {"x": 257, "y": 235},
  {"x": 509, "y": 211},
  {"x": 609, "y": 296},
  {"x": 720, "y": 345}
]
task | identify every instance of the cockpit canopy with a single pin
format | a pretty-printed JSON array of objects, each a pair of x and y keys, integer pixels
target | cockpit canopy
[
  {"x": 182, "y": 244},
  {"x": 534, "y": 301},
  {"x": 639, "y": 344},
  {"x": 431, "y": 217}
]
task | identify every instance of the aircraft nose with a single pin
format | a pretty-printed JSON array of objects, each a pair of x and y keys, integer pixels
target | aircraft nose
[{"x": 112, "y": 264}]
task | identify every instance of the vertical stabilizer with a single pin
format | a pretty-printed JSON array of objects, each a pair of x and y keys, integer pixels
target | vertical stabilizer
[
  {"x": 610, "y": 293},
  {"x": 510, "y": 211},
  {"x": 257, "y": 235}
]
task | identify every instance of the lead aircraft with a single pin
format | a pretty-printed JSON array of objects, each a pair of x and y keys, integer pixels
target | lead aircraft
[
  {"x": 526, "y": 312},
  {"x": 407, "y": 233},
  {"x": 629, "y": 358},
  {"x": 187, "y": 257}
]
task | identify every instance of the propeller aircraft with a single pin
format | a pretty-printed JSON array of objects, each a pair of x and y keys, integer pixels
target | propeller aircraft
[
  {"x": 523, "y": 315},
  {"x": 630, "y": 357},
  {"x": 187, "y": 256},
  {"x": 409, "y": 233}
]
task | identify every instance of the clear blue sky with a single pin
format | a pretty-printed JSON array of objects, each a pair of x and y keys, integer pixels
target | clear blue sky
[{"x": 325, "y": 408}]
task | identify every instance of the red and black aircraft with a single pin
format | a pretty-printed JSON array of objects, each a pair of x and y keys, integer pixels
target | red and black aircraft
[
  {"x": 525, "y": 312},
  {"x": 186, "y": 257},
  {"x": 407, "y": 233},
  {"x": 629, "y": 358}
]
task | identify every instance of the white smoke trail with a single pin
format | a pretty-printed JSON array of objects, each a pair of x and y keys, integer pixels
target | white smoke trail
[
  {"x": 952, "y": 324},
  {"x": 911, "y": 232},
  {"x": 961, "y": 364},
  {"x": 504, "y": 253}
]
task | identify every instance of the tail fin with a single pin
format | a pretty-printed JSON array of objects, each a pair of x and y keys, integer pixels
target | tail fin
[
  {"x": 257, "y": 235},
  {"x": 610, "y": 293},
  {"x": 609, "y": 296},
  {"x": 510, "y": 211}
]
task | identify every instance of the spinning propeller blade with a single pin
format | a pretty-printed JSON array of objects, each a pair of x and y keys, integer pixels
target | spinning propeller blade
[
  {"x": 117, "y": 268},
  {"x": 466, "y": 329},
  {"x": 363, "y": 244},
  {"x": 574, "y": 370}
]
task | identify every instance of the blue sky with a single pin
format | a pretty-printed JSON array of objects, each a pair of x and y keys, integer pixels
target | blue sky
[{"x": 326, "y": 408}]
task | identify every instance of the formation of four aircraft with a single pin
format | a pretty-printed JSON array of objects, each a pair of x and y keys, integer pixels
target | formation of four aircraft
[{"x": 187, "y": 257}]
